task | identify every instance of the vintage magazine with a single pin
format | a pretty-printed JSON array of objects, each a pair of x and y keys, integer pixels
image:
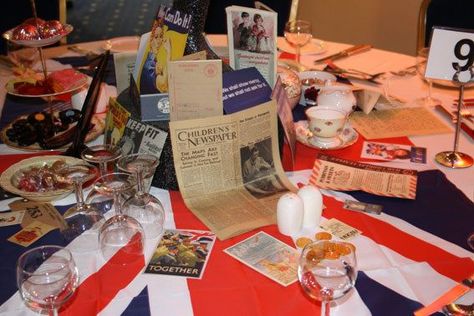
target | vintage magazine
[
  {"x": 142, "y": 138},
  {"x": 398, "y": 122},
  {"x": 115, "y": 121},
  {"x": 229, "y": 170},
  {"x": 393, "y": 152},
  {"x": 269, "y": 256},
  {"x": 345, "y": 175},
  {"x": 182, "y": 253},
  {"x": 252, "y": 36},
  {"x": 165, "y": 42}
]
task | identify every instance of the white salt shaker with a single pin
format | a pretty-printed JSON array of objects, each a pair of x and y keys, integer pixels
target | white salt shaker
[
  {"x": 290, "y": 211},
  {"x": 313, "y": 205}
]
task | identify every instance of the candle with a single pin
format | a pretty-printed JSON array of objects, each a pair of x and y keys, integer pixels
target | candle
[
  {"x": 313, "y": 205},
  {"x": 290, "y": 211}
]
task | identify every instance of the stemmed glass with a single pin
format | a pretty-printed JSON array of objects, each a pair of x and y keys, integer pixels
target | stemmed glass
[
  {"x": 47, "y": 277},
  {"x": 101, "y": 155},
  {"x": 119, "y": 231},
  {"x": 327, "y": 271},
  {"x": 421, "y": 61},
  {"x": 470, "y": 241},
  {"x": 81, "y": 216},
  {"x": 298, "y": 34},
  {"x": 143, "y": 206}
]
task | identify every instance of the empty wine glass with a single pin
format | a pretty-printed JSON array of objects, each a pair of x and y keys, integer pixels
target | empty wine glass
[
  {"x": 327, "y": 271},
  {"x": 80, "y": 217},
  {"x": 421, "y": 61},
  {"x": 470, "y": 241},
  {"x": 120, "y": 231},
  {"x": 101, "y": 155},
  {"x": 143, "y": 206},
  {"x": 47, "y": 277},
  {"x": 298, "y": 34}
]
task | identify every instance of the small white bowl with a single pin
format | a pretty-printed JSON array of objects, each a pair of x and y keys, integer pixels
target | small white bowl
[{"x": 320, "y": 78}]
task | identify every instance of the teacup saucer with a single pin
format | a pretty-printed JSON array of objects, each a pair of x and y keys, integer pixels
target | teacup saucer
[{"x": 348, "y": 137}]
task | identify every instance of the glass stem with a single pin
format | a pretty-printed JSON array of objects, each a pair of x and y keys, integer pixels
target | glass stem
[
  {"x": 79, "y": 194},
  {"x": 53, "y": 312},
  {"x": 140, "y": 180},
  {"x": 117, "y": 203},
  {"x": 103, "y": 168},
  {"x": 325, "y": 307}
]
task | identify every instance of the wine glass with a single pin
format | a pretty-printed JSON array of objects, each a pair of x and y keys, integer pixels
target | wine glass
[
  {"x": 81, "y": 216},
  {"x": 119, "y": 231},
  {"x": 327, "y": 271},
  {"x": 101, "y": 155},
  {"x": 421, "y": 61},
  {"x": 470, "y": 241},
  {"x": 47, "y": 277},
  {"x": 298, "y": 33},
  {"x": 143, "y": 206}
]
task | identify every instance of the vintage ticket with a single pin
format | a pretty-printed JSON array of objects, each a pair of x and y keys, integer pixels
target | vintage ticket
[
  {"x": 31, "y": 233},
  {"x": 11, "y": 218},
  {"x": 340, "y": 229},
  {"x": 340, "y": 174},
  {"x": 38, "y": 211}
]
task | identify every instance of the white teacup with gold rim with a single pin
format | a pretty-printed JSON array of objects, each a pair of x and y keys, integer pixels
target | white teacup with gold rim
[{"x": 326, "y": 123}]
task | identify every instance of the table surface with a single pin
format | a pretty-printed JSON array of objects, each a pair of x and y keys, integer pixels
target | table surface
[{"x": 397, "y": 259}]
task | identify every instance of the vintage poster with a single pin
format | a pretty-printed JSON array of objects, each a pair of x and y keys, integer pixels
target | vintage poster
[
  {"x": 252, "y": 38},
  {"x": 182, "y": 253},
  {"x": 340, "y": 174},
  {"x": 142, "y": 138},
  {"x": 268, "y": 256},
  {"x": 165, "y": 42},
  {"x": 115, "y": 121},
  {"x": 393, "y": 152}
]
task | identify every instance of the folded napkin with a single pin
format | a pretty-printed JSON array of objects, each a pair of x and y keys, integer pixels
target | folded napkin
[{"x": 440, "y": 207}]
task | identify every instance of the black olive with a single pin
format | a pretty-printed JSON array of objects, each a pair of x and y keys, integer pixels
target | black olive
[
  {"x": 11, "y": 133},
  {"x": 70, "y": 116},
  {"x": 19, "y": 124},
  {"x": 26, "y": 139}
]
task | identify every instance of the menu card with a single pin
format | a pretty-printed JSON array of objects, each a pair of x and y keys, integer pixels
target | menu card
[
  {"x": 339, "y": 174},
  {"x": 398, "y": 122},
  {"x": 195, "y": 89}
]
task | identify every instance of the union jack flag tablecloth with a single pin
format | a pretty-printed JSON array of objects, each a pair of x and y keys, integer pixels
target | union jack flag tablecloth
[{"x": 407, "y": 257}]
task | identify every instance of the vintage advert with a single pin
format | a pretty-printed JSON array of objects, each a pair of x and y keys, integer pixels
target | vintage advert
[
  {"x": 182, "y": 253},
  {"x": 195, "y": 89},
  {"x": 286, "y": 117},
  {"x": 124, "y": 64},
  {"x": 142, "y": 138},
  {"x": 398, "y": 122},
  {"x": 115, "y": 121},
  {"x": 344, "y": 175},
  {"x": 31, "y": 233},
  {"x": 340, "y": 229},
  {"x": 393, "y": 152},
  {"x": 252, "y": 38},
  {"x": 11, "y": 218},
  {"x": 165, "y": 42},
  {"x": 229, "y": 170},
  {"x": 268, "y": 256}
]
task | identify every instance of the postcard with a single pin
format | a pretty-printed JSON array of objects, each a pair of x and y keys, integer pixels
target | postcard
[
  {"x": 11, "y": 218},
  {"x": 393, "y": 152},
  {"x": 252, "y": 35},
  {"x": 268, "y": 256},
  {"x": 195, "y": 89},
  {"x": 183, "y": 253},
  {"x": 115, "y": 121},
  {"x": 165, "y": 42}
]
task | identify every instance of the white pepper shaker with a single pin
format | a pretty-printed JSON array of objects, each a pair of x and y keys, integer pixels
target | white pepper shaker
[
  {"x": 313, "y": 205},
  {"x": 290, "y": 211}
]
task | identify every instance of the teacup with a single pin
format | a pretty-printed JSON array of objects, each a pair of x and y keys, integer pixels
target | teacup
[{"x": 326, "y": 123}]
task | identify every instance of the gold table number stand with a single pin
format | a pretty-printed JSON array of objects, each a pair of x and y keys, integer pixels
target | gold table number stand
[{"x": 455, "y": 159}]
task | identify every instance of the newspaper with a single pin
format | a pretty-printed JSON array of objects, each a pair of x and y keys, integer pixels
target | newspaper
[
  {"x": 398, "y": 122},
  {"x": 229, "y": 170},
  {"x": 340, "y": 174}
]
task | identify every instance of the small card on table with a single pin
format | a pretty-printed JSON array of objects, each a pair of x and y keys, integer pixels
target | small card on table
[
  {"x": 339, "y": 229},
  {"x": 393, "y": 152},
  {"x": 268, "y": 256},
  {"x": 31, "y": 233},
  {"x": 183, "y": 253},
  {"x": 37, "y": 211},
  {"x": 11, "y": 218}
]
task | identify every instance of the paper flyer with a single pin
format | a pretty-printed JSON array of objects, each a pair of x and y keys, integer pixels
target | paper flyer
[
  {"x": 393, "y": 152},
  {"x": 183, "y": 253}
]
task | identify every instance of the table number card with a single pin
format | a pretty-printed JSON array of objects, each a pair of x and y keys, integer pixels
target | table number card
[{"x": 450, "y": 50}]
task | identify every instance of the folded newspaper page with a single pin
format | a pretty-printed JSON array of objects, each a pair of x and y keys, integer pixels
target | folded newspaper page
[
  {"x": 340, "y": 174},
  {"x": 229, "y": 170}
]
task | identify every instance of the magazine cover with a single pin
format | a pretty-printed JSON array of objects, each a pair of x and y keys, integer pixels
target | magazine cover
[
  {"x": 165, "y": 42},
  {"x": 182, "y": 253},
  {"x": 252, "y": 36},
  {"x": 269, "y": 256},
  {"x": 115, "y": 121},
  {"x": 142, "y": 138}
]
